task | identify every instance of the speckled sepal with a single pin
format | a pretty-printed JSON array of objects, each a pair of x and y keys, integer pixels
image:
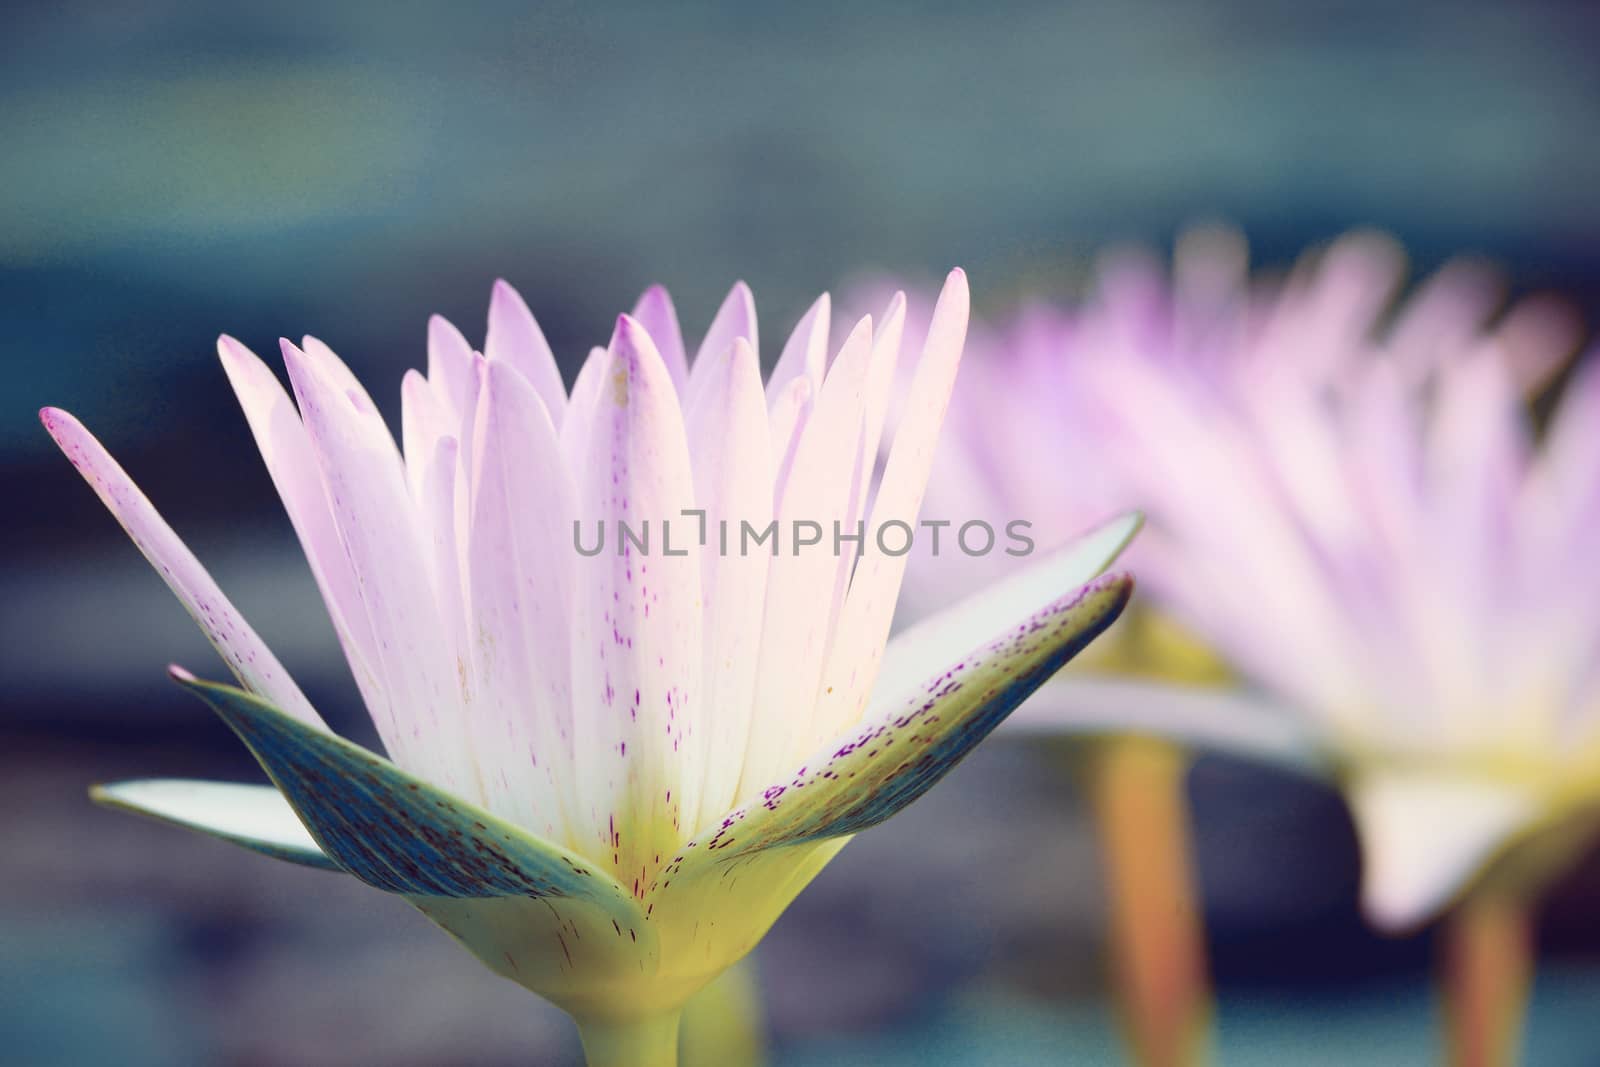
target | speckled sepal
[
  {"x": 880, "y": 766},
  {"x": 395, "y": 831}
]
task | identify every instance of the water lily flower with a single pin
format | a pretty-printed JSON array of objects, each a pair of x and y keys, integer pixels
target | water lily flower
[
  {"x": 1347, "y": 502},
  {"x": 1042, "y": 464},
  {"x": 608, "y": 771}
]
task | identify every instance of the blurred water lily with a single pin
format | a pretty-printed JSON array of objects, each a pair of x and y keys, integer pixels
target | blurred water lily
[
  {"x": 611, "y": 771},
  {"x": 1348, "y": 503}
]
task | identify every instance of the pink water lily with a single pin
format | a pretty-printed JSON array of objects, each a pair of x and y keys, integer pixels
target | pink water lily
[
  {"x": 1348, "y": 502},
  {"x": 611, "y": 771}
]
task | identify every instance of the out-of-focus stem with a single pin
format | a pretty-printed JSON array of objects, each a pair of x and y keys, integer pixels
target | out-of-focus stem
[
  {"x": 650, "y": 1041},
  {"x": 1488, "y": 972},
  {"x": 723, "y": 1024},
  {"x": 1157, "y": 934}
]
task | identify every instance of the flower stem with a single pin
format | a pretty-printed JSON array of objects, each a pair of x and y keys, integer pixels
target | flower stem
[
  {"x": 651, "y": 1041},
  {"x": 1488, "y": 971},
  {"x": 723, "y": 1023},
  {"x": 1157, "y": 935}
]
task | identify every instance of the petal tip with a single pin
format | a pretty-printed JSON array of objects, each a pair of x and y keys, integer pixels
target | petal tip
[
  {"x": 504, "y": 295},
  {"x": 1113, "y": 581},
  {"x": 229, "y": 350},
  {"x": 629, "y": 335},
  {"x": 66, "y": 431}
]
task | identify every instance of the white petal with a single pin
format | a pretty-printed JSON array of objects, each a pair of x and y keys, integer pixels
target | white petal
[
  {"x": 805, "y": 354},
  {"x": 255, "y": 816},
  {"x": 1229, "y": 721},
  {"x": 869, "y": 605},
  {"x": 880, "y": 377},
  {"x": 791, "y": 409},
  {"x": 1425, "y": 837},
  {"x": 728, "y": 443},
  {"x": 804, "y": 585}
]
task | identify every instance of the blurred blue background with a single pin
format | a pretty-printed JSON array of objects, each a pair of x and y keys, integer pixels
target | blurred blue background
[{"x": 172, "y": 169}]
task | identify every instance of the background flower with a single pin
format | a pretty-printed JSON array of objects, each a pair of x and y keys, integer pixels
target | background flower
[{"x": 1347, "y": 502}]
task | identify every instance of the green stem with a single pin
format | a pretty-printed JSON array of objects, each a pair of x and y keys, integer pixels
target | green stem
[
  {"x": 651, "y": 1041},
  {"x": 1158, "y": 948},
  {"x": 1488, "y": 972}
]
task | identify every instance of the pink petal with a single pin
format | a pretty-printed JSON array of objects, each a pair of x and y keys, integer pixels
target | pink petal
[
  {"x": 736, "y": 318},
  {"x": 656, "y": 313},
  {"x": 515, "y": 338},
  {"x": 1538, "y": 337},
  {"x": 450, "y": 365},
  {"x": 292, "y": 464},
  {"x": 1444, "y": 315},
  {"x": 637, "y": 629},
  {"x": 373, "y": 512},
  {"x": 520, "y": 606},
  {"x": 579, "y": 421},
  {"x": 438, "y": 505},
  {"x": 244, "y": 652},
  {"x": 424, "y": 419}
]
